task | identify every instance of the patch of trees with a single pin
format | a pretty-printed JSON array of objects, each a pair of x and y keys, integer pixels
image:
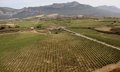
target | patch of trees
[
  {"x": 56, "y": 31},
  {"x": 7, "y": 28},
  {"x": 40, "y": 26},
  {"x": 112, "y": 31},
  {"x": 116, "y": 30}
]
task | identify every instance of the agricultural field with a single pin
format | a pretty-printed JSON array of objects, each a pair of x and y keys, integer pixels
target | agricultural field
[
  {"x": 108, "y": 38},
  {"x": 63, "y": 52},
  {"x": 85, "y": 29},
  {"x": 41, "y": 50}
]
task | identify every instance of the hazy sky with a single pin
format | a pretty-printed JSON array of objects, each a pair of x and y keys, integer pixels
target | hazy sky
[{"x": 27, "y": 3}]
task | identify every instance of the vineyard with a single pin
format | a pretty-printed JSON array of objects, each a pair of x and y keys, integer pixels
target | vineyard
[
  {"x": 108, "y": 38},
  {"x": 63, "y": 52}
]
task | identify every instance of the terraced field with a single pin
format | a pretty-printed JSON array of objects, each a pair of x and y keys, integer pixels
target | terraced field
[{"x": 63, "y": 52}]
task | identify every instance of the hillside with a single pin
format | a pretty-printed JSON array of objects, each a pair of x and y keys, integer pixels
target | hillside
[
  {"x": 109, "y": 8},
  {"x": 70, "y": 8}
]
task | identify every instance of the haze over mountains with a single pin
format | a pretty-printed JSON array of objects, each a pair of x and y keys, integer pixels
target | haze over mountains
[{"x": 67, "y": 9}]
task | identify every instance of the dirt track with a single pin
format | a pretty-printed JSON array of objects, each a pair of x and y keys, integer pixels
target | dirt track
[
  {"x": 89, "y": 38},
  {"x": 109, "y": 68}
]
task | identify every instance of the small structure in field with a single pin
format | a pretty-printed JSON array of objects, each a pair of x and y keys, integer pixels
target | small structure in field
[{"x": 32, "y": 28}]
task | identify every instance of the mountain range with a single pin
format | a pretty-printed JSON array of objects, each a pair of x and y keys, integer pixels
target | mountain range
[{"x": 67, "y": 9}]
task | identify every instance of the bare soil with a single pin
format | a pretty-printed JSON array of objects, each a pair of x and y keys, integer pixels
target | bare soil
[
  {"x": 110, "y": 68},
  {"x": 107, "y": 29}
]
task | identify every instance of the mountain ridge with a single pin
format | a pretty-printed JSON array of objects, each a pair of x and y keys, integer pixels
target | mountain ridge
[
  {"x": 68, "y": 9},
  {"x": 110, "y": 8}
]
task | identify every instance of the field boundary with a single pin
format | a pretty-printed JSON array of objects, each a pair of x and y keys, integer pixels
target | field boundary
[{"x": 92, "y": 39}]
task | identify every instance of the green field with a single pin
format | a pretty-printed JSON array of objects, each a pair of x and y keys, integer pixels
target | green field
[
  {"x": 33, "y": 23},
  {"x": 45, "y": 51},
  {"x": 108, "y": 38},
  {"x": 81, "y": 26}
]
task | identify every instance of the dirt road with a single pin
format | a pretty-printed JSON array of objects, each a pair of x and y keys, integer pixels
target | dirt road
[{"x": 92, "y": 39}]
